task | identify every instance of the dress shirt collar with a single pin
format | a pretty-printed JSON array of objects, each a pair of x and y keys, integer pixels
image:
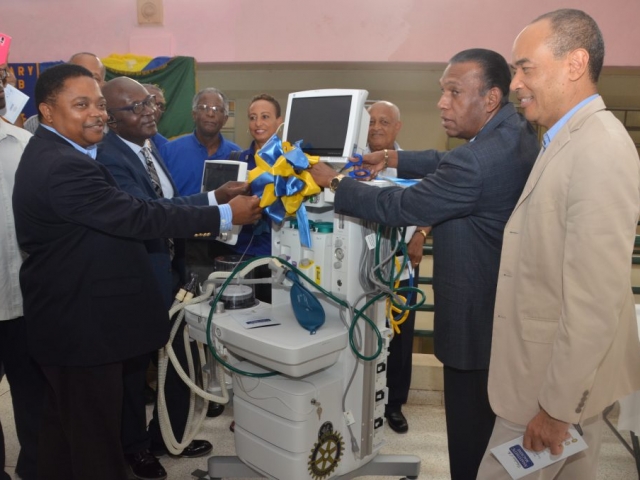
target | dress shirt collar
[
  {"x": 222, "y": 141},
  {"x": 547, "y": 137},
  {"x": 137, "y": 149},
  {"x": 92, "y": 150},
  {"x": 396, "y": 146}
]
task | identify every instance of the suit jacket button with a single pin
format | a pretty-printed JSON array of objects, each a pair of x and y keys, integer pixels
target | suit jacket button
[{"x": 578, "y": 410}]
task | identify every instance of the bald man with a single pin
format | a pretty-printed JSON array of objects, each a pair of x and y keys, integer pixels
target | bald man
[
  {"x": 92, "y": 63},
  {"x": 384, "y": 126},
  {"x": 85, "y": 59},
  {"x": 132, "y": 124}
]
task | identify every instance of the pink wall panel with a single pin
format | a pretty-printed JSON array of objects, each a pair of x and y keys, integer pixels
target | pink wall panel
[{"x": 299, "y": 30}]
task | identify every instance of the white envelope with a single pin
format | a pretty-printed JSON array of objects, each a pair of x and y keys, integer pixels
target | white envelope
[
  {"x": 16, "y": 100},
  {"x": 520, "y": 462}
]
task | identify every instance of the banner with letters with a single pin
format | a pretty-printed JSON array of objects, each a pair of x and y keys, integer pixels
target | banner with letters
[
  {"x": 175, "y": 76},
  {"x": 26, "y": 75}
]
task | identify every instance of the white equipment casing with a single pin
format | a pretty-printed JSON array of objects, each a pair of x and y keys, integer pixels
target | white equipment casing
[
  {"x": 284, "y": 348},
  {"x": 312, "y": 367},
  {"x": 322, "y": 414}
]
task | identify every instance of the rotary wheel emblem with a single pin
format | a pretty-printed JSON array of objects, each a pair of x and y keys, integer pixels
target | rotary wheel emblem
[{"x": 325, "y": 455}]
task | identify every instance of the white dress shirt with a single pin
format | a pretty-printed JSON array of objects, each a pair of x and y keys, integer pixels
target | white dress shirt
[{"x": 13, "y": 140}]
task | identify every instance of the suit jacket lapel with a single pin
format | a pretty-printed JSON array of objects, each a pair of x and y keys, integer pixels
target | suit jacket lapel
[
  {"x": 559, "y": 141},
  {"x": 504, "y": 113},
  {"x": 135, "y": 160}
]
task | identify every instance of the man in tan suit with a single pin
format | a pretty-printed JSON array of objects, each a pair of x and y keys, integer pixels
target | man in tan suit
[{"x": 565, "y": 340}]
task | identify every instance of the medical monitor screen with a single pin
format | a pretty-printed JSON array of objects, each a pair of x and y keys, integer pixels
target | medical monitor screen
[
  {"x": 321, "y": 122},
  {"x": 217, "y": 174}
]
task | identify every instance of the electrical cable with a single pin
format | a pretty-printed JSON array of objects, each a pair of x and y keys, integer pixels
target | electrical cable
[{"x": 378, "y": 281}]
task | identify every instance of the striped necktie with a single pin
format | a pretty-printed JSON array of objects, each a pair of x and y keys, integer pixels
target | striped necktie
[{"x": 155, "y": 182}]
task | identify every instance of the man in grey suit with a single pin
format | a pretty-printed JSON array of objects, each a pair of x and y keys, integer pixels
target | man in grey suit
[{"x": 466, "y": 195}]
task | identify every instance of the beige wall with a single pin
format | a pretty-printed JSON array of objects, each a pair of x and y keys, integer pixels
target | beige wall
[{"x": 413, "y": 87}]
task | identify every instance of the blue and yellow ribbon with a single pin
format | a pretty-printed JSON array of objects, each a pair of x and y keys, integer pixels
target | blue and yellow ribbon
[{"x": 282, "y": 182}]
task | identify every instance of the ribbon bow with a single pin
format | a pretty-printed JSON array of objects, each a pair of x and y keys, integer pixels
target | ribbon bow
[{"x": 282, "y": 182}]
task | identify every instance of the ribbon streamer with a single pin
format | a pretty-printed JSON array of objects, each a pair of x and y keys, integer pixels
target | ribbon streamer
[{"x": 282, "y": 182}]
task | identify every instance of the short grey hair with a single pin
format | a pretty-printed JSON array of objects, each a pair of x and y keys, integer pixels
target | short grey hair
[{"x": 215, "y": 91}]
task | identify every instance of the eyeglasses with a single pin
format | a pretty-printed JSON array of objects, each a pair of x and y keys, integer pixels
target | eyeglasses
[
  {"x": 210, "y": 108},
  {"x": 161, "y": 106},
  {"x": 4, "y": 74},
  {"x": 138, "y": 107}
]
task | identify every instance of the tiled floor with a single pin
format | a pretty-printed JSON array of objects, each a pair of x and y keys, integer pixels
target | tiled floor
[{"x": 426, "y": 438}]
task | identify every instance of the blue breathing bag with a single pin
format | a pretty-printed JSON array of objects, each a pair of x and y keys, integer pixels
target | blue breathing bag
[{"x": 306, "y": 307}]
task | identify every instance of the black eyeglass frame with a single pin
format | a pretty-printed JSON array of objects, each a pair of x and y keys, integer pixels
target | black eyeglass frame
[{"x": 138, "y": 107}]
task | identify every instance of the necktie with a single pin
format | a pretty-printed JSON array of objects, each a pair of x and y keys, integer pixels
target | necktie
[{"x": 155, "y": 182}]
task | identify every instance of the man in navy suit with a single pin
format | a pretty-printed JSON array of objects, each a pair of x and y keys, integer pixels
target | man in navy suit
[
  {"x": 466, "y": 195},
  {"x": 91, "y": 301},
  {"x": 122, "y": 152}
]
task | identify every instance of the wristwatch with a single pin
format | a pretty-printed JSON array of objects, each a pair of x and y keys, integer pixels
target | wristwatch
[{"x": 335, "y": 181}]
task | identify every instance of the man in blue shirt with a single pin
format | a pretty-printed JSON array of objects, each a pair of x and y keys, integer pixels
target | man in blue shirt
[{"x": 185, "y": 156}]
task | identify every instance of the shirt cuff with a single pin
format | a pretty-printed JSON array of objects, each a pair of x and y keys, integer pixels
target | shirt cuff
[
  {"x": 226, "y": 217},
  {"x": 213, "y": 201}
]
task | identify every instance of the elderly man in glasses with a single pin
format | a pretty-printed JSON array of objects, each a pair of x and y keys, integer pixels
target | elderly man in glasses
[
  {"x": 138, "y": 169},
  {"x": 186, "y": 155}
]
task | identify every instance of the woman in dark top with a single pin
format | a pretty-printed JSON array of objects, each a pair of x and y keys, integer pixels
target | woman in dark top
[{"x": 265, "y": 117}]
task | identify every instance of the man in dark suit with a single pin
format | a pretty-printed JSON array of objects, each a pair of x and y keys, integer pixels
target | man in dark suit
[
  {"x": 91, "y": 301},
  {"x": 466, "y": 195},
  {"x": 126, "y": 151}
]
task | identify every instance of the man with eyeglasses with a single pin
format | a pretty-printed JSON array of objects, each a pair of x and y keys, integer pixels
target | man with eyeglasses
[
  {"x": 91, "y": 301},
  {"x": 135, "y": 164},
  {"x": 161, "y": 106},
  {"x": 185, "y": 156},
  {"x": 24, "y": 376}
]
